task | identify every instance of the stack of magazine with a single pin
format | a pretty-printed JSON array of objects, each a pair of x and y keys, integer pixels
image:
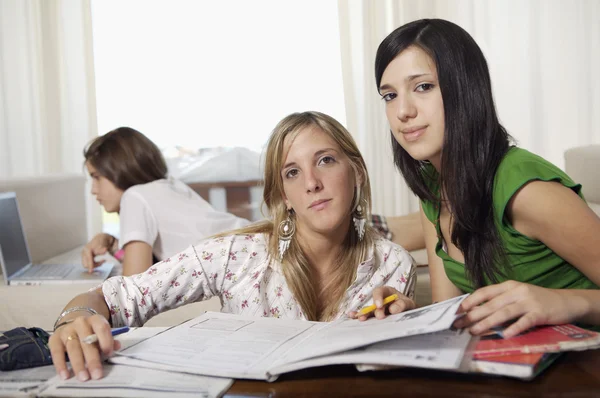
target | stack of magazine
[{"x": 528, "y": 354}]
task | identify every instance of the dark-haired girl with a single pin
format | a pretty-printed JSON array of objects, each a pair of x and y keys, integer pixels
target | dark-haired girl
[{"x": 499, "y": 222}]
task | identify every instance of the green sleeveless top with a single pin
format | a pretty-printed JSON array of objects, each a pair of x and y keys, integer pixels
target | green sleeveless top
[{"x": 530, "y": 261}]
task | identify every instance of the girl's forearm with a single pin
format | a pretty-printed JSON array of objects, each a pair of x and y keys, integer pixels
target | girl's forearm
[
  {"x": 79, "y": 306},
  {"x": 584, "y": 304}
]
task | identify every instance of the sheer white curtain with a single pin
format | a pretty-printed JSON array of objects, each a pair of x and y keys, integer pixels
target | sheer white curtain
[
  {"x": 543, "y": 58},
  {"x": 47, "y": 97}
]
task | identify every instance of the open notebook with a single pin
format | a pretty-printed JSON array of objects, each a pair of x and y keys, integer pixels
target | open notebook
[{"x": 15, "y": 260}]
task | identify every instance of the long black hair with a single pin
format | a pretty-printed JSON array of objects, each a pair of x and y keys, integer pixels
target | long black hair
[{"x": 474, "y": 140}]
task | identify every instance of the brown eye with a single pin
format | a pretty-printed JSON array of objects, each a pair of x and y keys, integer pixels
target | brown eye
[
  {"x": 291, "y": 173},
  {"x": 388, "y": 97},
  {"x": 326, "y": 160},
  {"x": 424, "y": 87}
]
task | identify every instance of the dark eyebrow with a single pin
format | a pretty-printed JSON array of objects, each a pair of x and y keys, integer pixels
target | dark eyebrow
[
  {"x": 413, "y": 77},
  {"x": 407, "y": 79},
  {"x": 316, "y": 155}
]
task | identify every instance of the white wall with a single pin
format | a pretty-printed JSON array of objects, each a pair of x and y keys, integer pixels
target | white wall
[{"x": 47, "y": 89}]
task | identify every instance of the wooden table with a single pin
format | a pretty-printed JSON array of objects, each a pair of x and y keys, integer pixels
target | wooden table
[{"x": 576, "y": 374}]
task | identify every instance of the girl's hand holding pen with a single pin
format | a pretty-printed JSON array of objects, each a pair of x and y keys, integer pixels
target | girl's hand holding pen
[
  {"x": 381, "y": 308},
  {"x": 85, "y": 358},
  {"x": 93, "y": 338}
]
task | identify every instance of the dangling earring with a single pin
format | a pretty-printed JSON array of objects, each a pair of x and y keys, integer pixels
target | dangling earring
[
  {"x": 358, "y": 216},
  {"x": 285, "y": 231}
]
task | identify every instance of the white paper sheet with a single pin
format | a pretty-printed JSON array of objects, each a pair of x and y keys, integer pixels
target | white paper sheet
[
  {"x": 349, "y": 334},
  {"x": 137, "y": 335},
  {"x": 220, "y": 345},
  {"x": 439, "y": 350},
  {"x": 127, "y": 381},
  {"x": 24, "y": 382}
]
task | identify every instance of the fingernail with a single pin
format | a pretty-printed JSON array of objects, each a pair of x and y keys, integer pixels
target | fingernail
[
  {"x": 96, "y": 374},
  {"x": 83, "y": 376},
  {"x": 378, "y": 303},
  {"x": 64, "y": 375}
]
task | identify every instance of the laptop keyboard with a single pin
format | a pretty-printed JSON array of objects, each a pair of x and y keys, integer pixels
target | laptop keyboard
[{"x": 48, "y": 271}]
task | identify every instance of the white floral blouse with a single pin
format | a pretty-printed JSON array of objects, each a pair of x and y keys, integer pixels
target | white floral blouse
[{"x": 237, "y": 270}]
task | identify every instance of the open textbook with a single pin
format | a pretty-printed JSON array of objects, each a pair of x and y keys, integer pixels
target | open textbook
[{"x": 227, "y": 345}]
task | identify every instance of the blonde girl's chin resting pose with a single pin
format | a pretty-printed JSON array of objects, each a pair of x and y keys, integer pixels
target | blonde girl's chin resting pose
[
  {"x": 499, "y": 222},
  {"x": 315, "y": 259}
]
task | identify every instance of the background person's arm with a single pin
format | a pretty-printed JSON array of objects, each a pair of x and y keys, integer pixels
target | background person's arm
[
  {"x": 100, "y": 244},
  {"x": 137, "y": 258},
  {"x": 138, "y": 232}
]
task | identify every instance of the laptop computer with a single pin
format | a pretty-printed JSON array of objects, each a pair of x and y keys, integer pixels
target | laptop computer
[{"x": 15, "y": 260}]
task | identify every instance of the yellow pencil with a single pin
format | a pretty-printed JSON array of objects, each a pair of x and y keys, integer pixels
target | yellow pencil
[{"x": 371, "y": 308}]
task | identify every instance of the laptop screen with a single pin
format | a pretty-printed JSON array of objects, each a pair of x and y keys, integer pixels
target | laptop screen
[{"x": 12, "y": 237}]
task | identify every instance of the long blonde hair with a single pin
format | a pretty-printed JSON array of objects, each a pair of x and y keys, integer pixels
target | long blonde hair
[{"x": 297, "y": 271}]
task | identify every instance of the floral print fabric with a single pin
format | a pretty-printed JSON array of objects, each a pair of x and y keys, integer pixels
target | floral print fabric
[{"x": 237, "y": 269}]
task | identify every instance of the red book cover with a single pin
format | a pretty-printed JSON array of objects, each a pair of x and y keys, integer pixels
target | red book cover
[
  {"x": 523, "y": 366},
  {"x": 540, "y": 339},
  {"x": 521, "y": 359}
]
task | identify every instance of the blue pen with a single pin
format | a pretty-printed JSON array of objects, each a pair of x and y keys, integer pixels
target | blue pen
[{"x": 92, "y": 338}]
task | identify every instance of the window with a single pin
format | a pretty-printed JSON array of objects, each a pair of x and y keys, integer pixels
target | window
[{"x": 202, "y": 74}]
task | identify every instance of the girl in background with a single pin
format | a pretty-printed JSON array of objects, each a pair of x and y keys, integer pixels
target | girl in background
[{"x": 159, "y": 216}]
